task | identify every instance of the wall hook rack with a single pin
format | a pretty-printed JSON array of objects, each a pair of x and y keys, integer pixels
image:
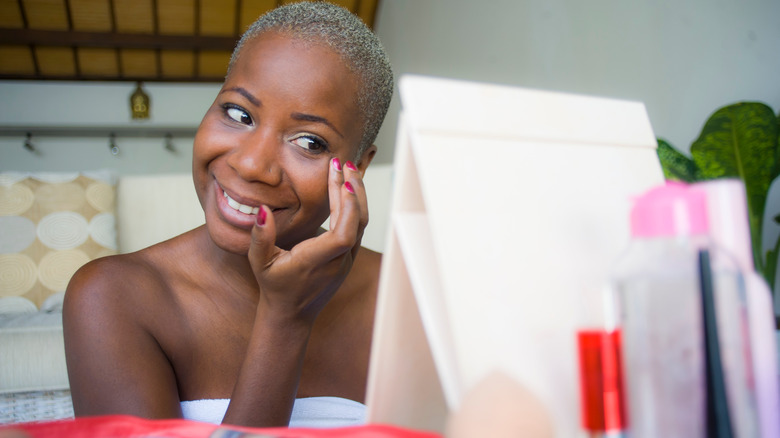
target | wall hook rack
[
  {"x": 99, "y": 131},
  {"x": 169, "y": 144}
]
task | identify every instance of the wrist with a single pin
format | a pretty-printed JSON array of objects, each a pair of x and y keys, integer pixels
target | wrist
[{"x": 277, "y": 323}]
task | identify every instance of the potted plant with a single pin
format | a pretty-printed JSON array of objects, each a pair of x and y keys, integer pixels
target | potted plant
[{"x": 742, "y": 141}]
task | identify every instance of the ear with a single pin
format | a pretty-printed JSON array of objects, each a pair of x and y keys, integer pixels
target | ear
[{"x": 365, "y": 159}]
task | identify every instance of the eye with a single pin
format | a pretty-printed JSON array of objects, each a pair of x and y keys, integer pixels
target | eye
[
  {"x": 238, "y": 114},
  {"x": 310, "y": 142}
]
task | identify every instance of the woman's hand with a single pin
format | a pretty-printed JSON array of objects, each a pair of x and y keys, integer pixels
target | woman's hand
[{"x": 297, "y": 284}]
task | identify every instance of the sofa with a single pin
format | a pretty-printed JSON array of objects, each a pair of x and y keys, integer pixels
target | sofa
[{"x": 52, "y": 223}]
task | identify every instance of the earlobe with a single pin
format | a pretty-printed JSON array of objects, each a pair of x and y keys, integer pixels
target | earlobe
[{"x": 365, "y": 159}]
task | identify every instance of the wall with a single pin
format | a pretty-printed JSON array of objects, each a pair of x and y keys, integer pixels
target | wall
[{"x": 682, "y": 58}]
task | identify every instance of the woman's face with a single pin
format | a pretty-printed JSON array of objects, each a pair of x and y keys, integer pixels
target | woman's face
[{"x": 284, "y": 111}]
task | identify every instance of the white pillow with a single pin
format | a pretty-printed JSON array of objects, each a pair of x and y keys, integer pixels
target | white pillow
[{"x": 16, "y": 306}]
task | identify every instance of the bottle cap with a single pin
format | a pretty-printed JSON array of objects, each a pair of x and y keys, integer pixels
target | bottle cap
[
  {"x": 728, "y": 218},
  {"x": 672, "y": 209}
]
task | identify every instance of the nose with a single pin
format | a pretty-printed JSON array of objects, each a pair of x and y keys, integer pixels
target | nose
[{"x": 256, "y": 158}]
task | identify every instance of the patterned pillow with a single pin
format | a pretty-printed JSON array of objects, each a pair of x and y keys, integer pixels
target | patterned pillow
[{"x": 50, "y": 225}]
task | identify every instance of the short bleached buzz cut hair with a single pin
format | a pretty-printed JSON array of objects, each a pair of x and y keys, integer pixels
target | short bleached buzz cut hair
[{"x": 319, "y": 22}]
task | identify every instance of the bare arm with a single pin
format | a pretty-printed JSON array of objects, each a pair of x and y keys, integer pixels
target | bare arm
[
  {"x": 115, "y": 365},
  {"x": 295, "y": 285}
]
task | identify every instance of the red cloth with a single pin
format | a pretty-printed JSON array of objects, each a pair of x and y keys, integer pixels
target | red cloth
[{"x": 124, "y": 426}]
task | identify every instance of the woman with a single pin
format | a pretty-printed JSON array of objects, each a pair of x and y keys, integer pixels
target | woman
[{"x": 259, "y": 316}]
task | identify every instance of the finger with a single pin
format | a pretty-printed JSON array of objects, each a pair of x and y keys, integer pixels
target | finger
[
  {"x": 355, "y": 178},
  {"x": 349, "y": 230},
  {"x": 341, "y": 236},
  {"x": 262, "y": 248},
  {"x": 335, "y": 181}
]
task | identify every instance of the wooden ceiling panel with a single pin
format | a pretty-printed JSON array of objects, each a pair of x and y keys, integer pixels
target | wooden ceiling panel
[
  {"x": 177, "y": 64},
  {"x": 56, "y": 61},
  {"x": 349, "y": 4},
  {"x": 130, "y": 40},
  {"x": 46, "y": 14},
  {"x": 98, "y": 63},
  {"x": 213, "y": 64},
  {"x": 176, "y": 17},
  {"x": 251, "y": 10},
  {"x": 91, "y": 15},
  {"x": 10, "y": 14},
  {"x": 367, "y": 11},
  {"x": 217, "y": 18},
  {"x": 134, "y": 16},
  {"x": 16, "y": 60},
  {"x": 138, "y": 63}
]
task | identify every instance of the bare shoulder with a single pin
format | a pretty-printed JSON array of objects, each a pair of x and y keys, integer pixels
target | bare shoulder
[
  {"x": 368, "y": 262},
  {"x": 115, "y": 311},
  {"x": 361, "y": 285},
  {"x": 364, "y": 277},
  {"x": 128, "y": 285},
  {"x": 112, "y": 283}
]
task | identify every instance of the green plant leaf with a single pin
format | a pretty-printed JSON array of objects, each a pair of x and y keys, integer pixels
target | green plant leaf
[
  {"x": 776, "y": 171},
  {"x": 741, "y": 141},
  {"x": 676, "y": 166}
]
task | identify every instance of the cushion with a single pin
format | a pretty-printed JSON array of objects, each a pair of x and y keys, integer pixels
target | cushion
[
  {"x": 50, "y": 225},
  {"x": 154, "y": 208}
]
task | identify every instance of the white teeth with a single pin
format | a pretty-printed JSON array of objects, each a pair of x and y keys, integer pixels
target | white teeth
[{"x": 246, "y": 209}]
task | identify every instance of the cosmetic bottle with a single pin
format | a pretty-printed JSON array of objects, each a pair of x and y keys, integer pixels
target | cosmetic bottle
[
  {"x": 657, "y": 289},
  {"x": 730, "y": 230}
]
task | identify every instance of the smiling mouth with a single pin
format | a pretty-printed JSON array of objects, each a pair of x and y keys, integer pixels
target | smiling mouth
[{"x": 235, "y": 205}]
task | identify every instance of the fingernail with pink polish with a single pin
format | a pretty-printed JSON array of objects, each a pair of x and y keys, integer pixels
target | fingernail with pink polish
[
  {"x": 350, "y": 166},
  {"x": 349, "y": 187},
  {"x": 261, "y": 217},
  {"x": 337, "y": 164}
]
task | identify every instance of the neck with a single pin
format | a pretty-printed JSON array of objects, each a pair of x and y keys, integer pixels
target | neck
[{"x": 232, "y": 268}]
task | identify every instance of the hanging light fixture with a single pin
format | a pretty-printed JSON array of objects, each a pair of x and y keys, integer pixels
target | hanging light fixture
[{"x": 139, "y": 103}]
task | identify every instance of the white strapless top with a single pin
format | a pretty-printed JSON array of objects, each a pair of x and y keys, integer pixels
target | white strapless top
[{"x": 307, "y": 412}]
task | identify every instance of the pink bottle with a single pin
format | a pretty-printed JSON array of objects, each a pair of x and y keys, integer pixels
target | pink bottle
[{"x": 657, "y": 288}]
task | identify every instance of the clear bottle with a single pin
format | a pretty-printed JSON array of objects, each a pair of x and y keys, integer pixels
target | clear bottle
[
  {"x": 658, "y": 291},
  {"x": 730, "y": 230}
]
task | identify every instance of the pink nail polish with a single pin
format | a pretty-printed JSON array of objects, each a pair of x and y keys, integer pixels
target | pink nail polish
[
  {"x": 350, "y": 166},
  {"x": 337, "y": 164},
  {"x": 261, "y": 217},
  {"x": 349, "y": 187}
]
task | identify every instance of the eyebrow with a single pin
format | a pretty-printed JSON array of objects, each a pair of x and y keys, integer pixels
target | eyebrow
[
  {"x": 252, "y": 99},
  {"x": 316, "y": 119}
]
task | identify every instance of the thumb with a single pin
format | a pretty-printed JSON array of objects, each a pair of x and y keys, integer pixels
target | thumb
[{"x": 262, "y": 248}]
